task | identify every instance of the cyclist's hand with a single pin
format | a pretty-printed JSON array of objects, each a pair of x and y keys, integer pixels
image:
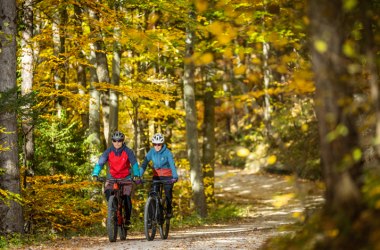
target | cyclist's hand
[
  {"x": 137, "y": 179},
  {"x": 95, "y": 178},
  {"x": 174, "y": 180}
]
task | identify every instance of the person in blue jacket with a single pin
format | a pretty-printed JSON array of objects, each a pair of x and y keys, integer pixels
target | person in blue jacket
[
  {"x": 121, "y": 163},
  {"x": 163, "y": 168}
]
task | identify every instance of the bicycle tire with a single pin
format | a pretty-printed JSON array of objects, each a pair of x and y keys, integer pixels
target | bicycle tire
[
  {"x": 165, "y": 223},
  {"x": 123, "y": 227},
  {"x": 150, "y": 222},
  {"x": 112, "y": 219},
  {"x": 122, "y": 232},
  {"x": 164, "y": 229}
]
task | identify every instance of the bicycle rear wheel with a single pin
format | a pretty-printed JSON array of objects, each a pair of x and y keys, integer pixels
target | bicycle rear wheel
[
  {"x": 164, "y": 223},
  {"x": 112, "y": 219},
  {"x": 123, "y": 232},
  {"x": 150, "y": 222},
  {"x": 122, "y": 223}
]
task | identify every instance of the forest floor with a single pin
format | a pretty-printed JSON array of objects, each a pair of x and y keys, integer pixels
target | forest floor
[{"x": 272, "y": 205}]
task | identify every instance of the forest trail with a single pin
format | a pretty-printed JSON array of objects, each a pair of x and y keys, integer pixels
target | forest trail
[{"x": 271, "y": 202}]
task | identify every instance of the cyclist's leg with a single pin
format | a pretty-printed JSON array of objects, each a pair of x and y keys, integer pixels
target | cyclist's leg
[
  {"x": 107, "y": 193},
  {"x": 108, "y": 189},
  {"x": 128, "y": 208},
  {"x": 168, "y": 188}
]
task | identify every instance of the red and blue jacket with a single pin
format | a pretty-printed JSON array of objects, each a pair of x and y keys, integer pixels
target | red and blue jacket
[
  {"x": 163, "y": 163},
  {"x": 120, "y": 162}
]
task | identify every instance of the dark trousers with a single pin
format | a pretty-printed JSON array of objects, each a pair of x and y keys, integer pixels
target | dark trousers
[
  {"x": 168, "y": 189},
  {"x": 127, "y": 204}
]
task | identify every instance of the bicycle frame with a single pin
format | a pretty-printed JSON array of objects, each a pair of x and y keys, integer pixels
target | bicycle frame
[{"x": 116, "y": 223}]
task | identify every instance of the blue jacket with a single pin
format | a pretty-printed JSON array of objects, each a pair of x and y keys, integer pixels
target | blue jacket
[
  {"x": 119, "y": 161},
  {"x": 163, "y": 163}
]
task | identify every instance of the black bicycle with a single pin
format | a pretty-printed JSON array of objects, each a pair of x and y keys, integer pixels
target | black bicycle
[
  {"x": 116, "y": 221},
  {"x": 155, "y": 212}
]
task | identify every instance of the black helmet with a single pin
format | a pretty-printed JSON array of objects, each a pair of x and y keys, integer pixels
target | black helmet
[{"x": 117, "y": 135}]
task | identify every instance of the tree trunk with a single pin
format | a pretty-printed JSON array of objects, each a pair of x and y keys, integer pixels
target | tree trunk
[
  {"x": 11, "y": 219},
  {"x": 103, "y": 74},
  {"x": 80, "y": 67},
  {"x": 196, "y": 174},
  {"x": 58, "y": 24},
  {"x": 114, "y": 99},
  {"x": 369, "y": 50},
  {"x": 94, "y": 112},
  {"x": 27, "y": 83},
  {"x": 209, "y": 142},
  {"x": 335, "y": 107},
  {"x": 267, "y": 75}
]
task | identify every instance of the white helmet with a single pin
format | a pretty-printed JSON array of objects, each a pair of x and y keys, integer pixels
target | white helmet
[{"x": 158, "y": 138}]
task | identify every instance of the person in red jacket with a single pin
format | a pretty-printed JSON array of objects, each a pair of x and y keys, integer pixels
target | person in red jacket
[{"x": 121, "y": 163}]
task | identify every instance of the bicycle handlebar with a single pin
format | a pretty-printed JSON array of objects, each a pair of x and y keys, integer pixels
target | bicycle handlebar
[
  {"x": 104, "y": 179},
  {"x": 158, "y": 181}
]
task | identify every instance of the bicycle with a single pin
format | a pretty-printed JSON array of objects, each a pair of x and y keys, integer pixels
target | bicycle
[
  {"x": 155, "y": 212},
  {"x": 116, "y": 221}
]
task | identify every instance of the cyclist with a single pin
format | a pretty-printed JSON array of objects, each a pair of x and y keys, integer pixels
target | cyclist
[
  {"x": 120, "y": 160},
  {"x": 163, "y": 168}
]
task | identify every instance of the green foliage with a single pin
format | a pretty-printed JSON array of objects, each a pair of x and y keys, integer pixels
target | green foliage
[
  {"x": 60, "y": 148},
  {"x": 10, "y": 241}
]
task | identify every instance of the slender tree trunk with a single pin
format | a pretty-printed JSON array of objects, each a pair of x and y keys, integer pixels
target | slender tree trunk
[
  {"x": 114, "y": 99},
  {"x": 94, "y": 138},
  {"x": 60, "y": 19},
  {"x": 102, "y": 73},
  {"x": 80, "y": 67},
  {"x": 11, "y": 219},
  {"x": 95, "y": 99},
  {"x": 27, "y": 82},
  {"x": 196, "y": 174},
  {"x": 267, "y": 75},
  {"x": 209, "y": 142}
]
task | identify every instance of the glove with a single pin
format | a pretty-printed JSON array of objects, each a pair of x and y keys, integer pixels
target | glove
[
  {"x": 137, "y": 179},
  {"x": 174, "y": 180}
]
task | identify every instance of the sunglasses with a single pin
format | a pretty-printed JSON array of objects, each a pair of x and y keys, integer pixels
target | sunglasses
[
  {"x": 117, "y": 140},
  {"x": 157, "y": 144}
]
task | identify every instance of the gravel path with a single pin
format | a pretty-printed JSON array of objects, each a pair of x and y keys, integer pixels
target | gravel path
[{"x": 270, "y": 201}]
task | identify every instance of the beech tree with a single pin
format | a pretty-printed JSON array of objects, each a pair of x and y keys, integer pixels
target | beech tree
[{"x": 11, "y": 219}]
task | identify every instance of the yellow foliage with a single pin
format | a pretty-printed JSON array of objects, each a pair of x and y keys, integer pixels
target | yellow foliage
[
  {"x": 320, "y": 46},
  {"x": 240, "y": 70},
  {"x": 201, "y": 5},
  {"x": 272, "y": 159},
  {"x": 282, "y": 200},
  {"x": 302, "y": 83},
  {"x": 61, "y": 203},
  {"x": 202, "y": 59},
  {"x": 242, "y": 152}
]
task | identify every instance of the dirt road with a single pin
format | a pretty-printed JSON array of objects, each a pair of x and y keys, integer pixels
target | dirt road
[{"x": 271, "y": 202}]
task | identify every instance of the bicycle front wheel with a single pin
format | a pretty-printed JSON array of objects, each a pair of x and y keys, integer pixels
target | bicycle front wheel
[
  {"x": 150, "y": 220},
  {"x": 112, "y": 218}
]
